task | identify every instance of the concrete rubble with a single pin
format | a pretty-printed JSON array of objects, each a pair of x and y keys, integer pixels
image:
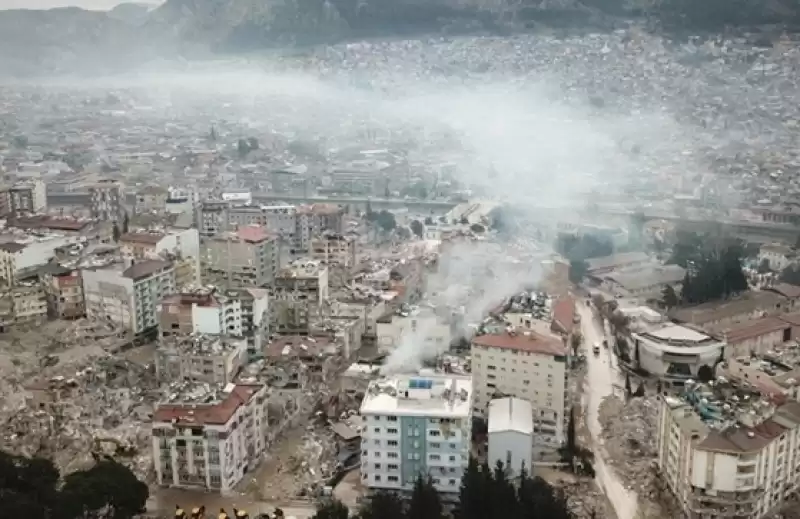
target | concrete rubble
[{"x": 631, "y": 442}]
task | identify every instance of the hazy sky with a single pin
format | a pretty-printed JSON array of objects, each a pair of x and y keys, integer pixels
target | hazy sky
[{"x": 49, "y": 4}]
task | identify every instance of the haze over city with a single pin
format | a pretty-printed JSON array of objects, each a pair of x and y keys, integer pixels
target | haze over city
[{"x": 373, "y": 259}]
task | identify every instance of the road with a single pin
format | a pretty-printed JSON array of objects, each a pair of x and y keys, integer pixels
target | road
[{"x": 601, "y": 377}]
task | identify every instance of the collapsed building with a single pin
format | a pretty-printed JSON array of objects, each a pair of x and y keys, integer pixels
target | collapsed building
[{"x": 203, "y": 358}]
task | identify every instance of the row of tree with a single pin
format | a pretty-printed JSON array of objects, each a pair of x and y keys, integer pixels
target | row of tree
[
  {"x": 713, "y": 268},
  {"x": 579, "y": 248},
  {"x": 29, "y": 488},
  {"x": 485, "y": 494}
]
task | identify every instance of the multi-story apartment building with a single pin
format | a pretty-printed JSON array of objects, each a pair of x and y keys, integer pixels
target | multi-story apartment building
[
  {"x": 28, "y": 197},
  {"x": 151, "y": 200},
  {"x": 312, "y": 220},
  {"x": 209, "y": 439},
  {"x": 298, "y": 295},
  {"x": 181, "y": 246},
  {"x": 338, "y": 253},
  {"x": 25, "y": 302},
  {"x": 248, "y": 257},
  {"x": 726, "y": 457},
  {"x": 416, "y": 425},
  {"x": 524, "y": 365},
  {"x": 64, "y": 289},
  {"x": 106, "y": 201},
  {"x": 235, "y": 313},
  {"x": 296, "y": 226},
  {"x": 128, "y": 297},
  {"x": 421, "y": 326},
  {"x": 201, "y": 358}
]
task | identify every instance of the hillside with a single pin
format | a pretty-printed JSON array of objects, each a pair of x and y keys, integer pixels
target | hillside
[{"x": 72, "y": 40}]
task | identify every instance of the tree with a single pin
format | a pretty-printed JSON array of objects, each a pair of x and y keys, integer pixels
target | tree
[
  {"x": 243, "y": 148},
  {"x": 669, "y": 297},
  {"x": 474, "y": 502},
  {"x": 464, "y": 221},
  {"x": 575, "y": 341},
  {"x": 417, "y": 228},
  {"x": 382, "y": 505},
  {"x": 577, "y": 270},
  {"x": 213, "y": 133},
  {"x": 404, "y": 233},
  {"x": 477, "y": 228},
  {"x": 570, "y": 444},
  {"x": 331, "y": 509},
  {"x": 115, "y": 232},
  {"x": 764, "y": 266},
  {"x": 386, "y": 220},
  {"x": 252, "y": 143},
  {"x": 19, "y": 141},
  {"x": 125, "y": 223},
  {"x": 428, "y": 220},
  {"x": 425, "y": 502},
  {"x": 628, "y": 389},
  {"x": 107, "y": 486}
]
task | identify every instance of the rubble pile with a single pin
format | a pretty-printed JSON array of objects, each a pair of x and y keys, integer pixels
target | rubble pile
[
  {"x": 304, "y": 470},
  {"x": 79, "y": 415},
  {"x": 584, "y": 498},
  {"x": 631, "y": 443}
]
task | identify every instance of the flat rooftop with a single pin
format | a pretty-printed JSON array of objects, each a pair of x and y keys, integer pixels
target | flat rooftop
[
  {"x": 418, "y": 395},
  {"x": 203, "y": 404},
  {"x": 510, "y": 414}
]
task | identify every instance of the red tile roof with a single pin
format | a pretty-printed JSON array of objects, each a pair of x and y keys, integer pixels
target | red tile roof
[
  {"x": 203, "y": 414},
  {"x": 756, "y": 328},
  {"x": 564, "y": 315},
  {"x": 50, "y": 222},
  {"x": 527, "y": 341},
  {"x": 252, "y": 233}
]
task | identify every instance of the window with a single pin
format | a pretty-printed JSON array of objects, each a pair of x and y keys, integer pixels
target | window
[
  {"x": 392, "y": 455},
  {"x": 452, "y": 445},
  {"x": 452, "y": 458},
  {"x": 377, "y": 466},
  {"x": 435, "y": 457},
  {"x": 377, "y": 430},
  {"x": 377, "y": 477},
  {"x": 434, "y": 433},
  {"x": 391, "y": 418},
  {"x": 435, "y": 445},
  {"x": 393, "y": 479},
  {"x": 391, "y": 431},
  {"x": 392, "y": 466},
  {"x": 451, "y": 482},
  {"x": 391, "y": 443}
]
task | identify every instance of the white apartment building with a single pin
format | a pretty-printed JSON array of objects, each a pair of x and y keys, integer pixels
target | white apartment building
[
  {"x": 235, "y": 313},
  {"x": 416, "y": 425},
  {"x": 128, "y": 297},
  {"x": 181, "y": 244},
  {"x": 524, "y": 365},
  {"x": 511, "y": 434},
  {"x": 420, "y": 326},
  {"x": 724, "y": 459},
  {"x": 209, "y": 440}
]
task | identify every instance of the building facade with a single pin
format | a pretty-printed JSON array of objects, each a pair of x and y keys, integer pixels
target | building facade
[
  {"x": 248, "y": 257},
  {"x": 416, "y": 426},
  {"x": 106, "y": 201},
  {"x": 526, "y": 365},
  {"x": 511, "y": 435},
  {"x": 211, "y": 439}
]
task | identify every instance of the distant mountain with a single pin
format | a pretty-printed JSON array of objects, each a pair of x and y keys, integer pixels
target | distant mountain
[{"x": 73, "y": 40}]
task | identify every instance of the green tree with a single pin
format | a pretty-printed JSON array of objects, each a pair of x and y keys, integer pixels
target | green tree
[
  {"x": 243, "y": 148},
  {"x": 425, "y": 501},
  {"x": 331, "y": 509},
  {"x": 115, "y": 232},
  {"x": 382, "y": 505},
  {"x": 477, "y": 228},
  {"x": 417, "y": 228},
  {"x": 575, "y": 341},
  {"x": 474, "y": 502},
  {"x": 107, "y": 486},
  {"x": 577, "y": 270},
  {"x": 669, "y": 297},
  {"x": 386, "y": 220},
  {"x": 428, "y": 220}
]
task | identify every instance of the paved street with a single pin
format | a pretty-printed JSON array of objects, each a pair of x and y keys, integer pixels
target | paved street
[{"x": 601, "y": 378}]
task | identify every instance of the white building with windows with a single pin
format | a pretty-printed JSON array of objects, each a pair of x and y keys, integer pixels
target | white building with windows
[
  {"x": 416, "y": 425},
  {"x": 418, "y": 325},
  {"x": 726, "y": 451},
  {"x": 524, "y": 365},
  {"x": 210, "y": 439},
  {"x": 511, "y": 434}
]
